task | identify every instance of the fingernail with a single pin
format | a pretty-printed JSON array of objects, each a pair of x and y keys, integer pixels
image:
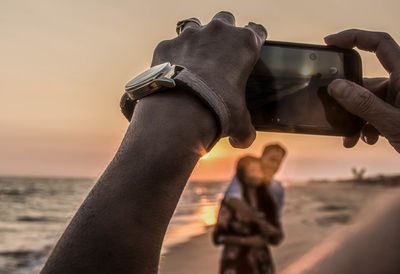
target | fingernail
[
  {"x": 339, "y": 88},
  {"x": 365, "y": 139},
  {"x": 233, "y": 142},
  {"x": 329, "y": 90},
  {"x": 326, "y": 38}
]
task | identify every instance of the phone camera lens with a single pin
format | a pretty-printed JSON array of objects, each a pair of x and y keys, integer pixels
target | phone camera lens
[{"x": 313, "y": 56}]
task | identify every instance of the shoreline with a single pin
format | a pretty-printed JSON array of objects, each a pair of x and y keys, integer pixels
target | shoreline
[
  {"x": 170, "y": 240},
  {"x": 200, "y": 255},
  {"x": 312, "y": 214}
]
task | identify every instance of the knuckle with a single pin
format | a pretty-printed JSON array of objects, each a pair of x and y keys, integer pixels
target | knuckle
[
  {"x": 228, "y": 13},
  {"x": 188, "y": 31},
  {"x": 384, "y": 36},
  {"x": 216, "y": 25},
  {"x": 260, "y": 28},
  {"x": 163, "y": 46},
  {"x": 249, "y": 38},
  {"x": 353, "y": 30},
  {"x": 247, "y": 33},
  {"x": 225, "y": 16}
]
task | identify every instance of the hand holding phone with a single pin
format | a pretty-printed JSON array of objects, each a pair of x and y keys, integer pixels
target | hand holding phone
[
  {"x": 287, "y": 90},
  {"x": 378, "y": 102}
]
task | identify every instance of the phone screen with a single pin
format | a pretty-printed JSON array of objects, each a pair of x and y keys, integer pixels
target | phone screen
[{"x": 287, "y": 91}]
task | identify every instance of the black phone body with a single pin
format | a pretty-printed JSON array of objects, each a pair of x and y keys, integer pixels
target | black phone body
[{"x": 287, "y": 90}]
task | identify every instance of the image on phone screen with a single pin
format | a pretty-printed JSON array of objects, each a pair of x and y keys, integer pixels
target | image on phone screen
[{"x": 287, "y": 91}]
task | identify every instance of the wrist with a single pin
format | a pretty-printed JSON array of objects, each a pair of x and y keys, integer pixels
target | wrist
[{"x": 181, "y": 114}]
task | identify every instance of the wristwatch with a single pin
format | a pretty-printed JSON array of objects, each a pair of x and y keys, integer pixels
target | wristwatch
[
  {"x": 166, "y": 76},
  {"x": 154, "y": 79}
]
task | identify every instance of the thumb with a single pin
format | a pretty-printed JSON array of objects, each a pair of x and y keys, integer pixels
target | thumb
[{"x": 360, "y": 101}]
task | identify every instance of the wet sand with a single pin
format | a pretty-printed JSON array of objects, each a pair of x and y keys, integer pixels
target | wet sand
[{"x": 312, "y": 214}]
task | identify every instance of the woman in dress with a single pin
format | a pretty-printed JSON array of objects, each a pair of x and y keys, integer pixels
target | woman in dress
[{"x": 246, "y": 227}]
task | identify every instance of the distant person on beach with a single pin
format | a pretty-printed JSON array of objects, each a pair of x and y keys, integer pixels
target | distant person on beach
[
  {"x": 247, "y": 230},
  {"x": 271, "y": 160},
  {"x": 120, "y": 226}
]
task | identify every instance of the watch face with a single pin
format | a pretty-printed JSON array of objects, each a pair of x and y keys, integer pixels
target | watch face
[{"x": 147, "y": 76}]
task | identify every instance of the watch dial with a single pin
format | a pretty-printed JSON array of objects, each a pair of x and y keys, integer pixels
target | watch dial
[{"x": 149, "y": 74}]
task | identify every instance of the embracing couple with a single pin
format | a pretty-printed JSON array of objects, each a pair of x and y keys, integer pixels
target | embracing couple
[{"x": 250, "y": 214}]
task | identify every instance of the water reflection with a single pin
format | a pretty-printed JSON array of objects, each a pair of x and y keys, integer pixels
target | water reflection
[{"x": 209, "y": 214}]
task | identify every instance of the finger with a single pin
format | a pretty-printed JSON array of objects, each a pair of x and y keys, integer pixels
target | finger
[
  {"x": 361, "y": 102},
  {"x": 187, "y": 23},
  {"x": 226, "y": 17},
  {"x": 351, "y": 141},
  {"x": 369, "y": 134},
  {"x": 377, "y": 86},
  {"x": 386, "y": 49},
  {"x": 259, "y": 31},
  {"x": 243, "y": 141},
  {"x": 245, "y": 135},
  {"x": 381, "y": 88}
]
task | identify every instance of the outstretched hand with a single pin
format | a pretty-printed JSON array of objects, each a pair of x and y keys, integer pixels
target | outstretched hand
[
  {"x": 378, "y": 100},
  {"x": 223, "y": 56}
]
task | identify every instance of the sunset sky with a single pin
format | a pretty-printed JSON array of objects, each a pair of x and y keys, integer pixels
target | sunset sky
[{"x": 64, "y": 65}]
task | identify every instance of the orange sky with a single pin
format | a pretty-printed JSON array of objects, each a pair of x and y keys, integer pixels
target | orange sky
[{"x": 64, "y": 65}]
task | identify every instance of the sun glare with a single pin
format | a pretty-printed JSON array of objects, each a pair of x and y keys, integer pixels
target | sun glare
[
  {"x": 209, "y": 215},
  {"x": 205, "y": 156},
  {"x": 306, "y": 71}
]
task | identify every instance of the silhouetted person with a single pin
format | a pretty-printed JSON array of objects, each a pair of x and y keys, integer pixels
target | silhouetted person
[{"x": 249, "y": 227}]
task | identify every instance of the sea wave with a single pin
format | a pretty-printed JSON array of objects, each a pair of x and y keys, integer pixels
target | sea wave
[{"x": 35, "y": 211}]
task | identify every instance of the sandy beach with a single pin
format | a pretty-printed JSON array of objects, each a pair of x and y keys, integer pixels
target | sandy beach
[
  {"x": 36, "y": 211},
  {"x": 312, "y": 213}
]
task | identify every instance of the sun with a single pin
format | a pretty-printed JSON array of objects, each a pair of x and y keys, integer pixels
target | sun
[{"x": 205, "y": 156}]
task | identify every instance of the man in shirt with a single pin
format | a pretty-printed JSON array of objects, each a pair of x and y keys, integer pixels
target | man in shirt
[{"x": 271, "y": 160}]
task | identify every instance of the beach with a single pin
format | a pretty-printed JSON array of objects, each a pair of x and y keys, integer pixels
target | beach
[
  {"x": 35, "y": 211},
  {"x": 312, "y": 213}
]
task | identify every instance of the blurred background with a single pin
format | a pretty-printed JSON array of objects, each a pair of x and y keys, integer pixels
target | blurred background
[{"x": 63, "y": 68}]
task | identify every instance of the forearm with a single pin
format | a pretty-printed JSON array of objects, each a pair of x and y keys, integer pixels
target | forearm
[
  {"x": 267, "y": 227},
  {"x": 254, "y": 241},
  {"x": 243, "y": 240},
  {"x": 276, "y": 238},
  {"x": 273, "y": 234},
  {"x": 121, "y": 225}
]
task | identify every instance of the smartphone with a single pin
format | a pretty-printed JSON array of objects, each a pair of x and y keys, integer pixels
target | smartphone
[{"x": 287, "y": 90}]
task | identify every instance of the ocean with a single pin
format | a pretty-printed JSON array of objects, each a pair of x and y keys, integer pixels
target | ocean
[{"x": 35, "y": 211}]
